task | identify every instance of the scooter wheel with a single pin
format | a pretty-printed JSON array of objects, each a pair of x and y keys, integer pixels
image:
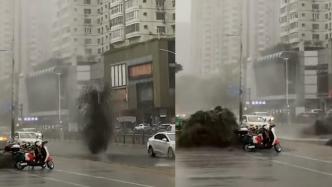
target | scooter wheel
[
  {"x": 246, "y": 148},
  {"x": 277, "y": 148},
  {"x": 19, "y": 166},
  {"x": 50, "y": 164}
]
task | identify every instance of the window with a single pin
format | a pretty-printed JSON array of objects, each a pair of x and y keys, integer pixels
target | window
[
  {"x": 158, "y": 137},
  {"x": 129, "y": 3},
  {"x": 88, "y": 51},
  {"x": 117, "y": 33},
  {"x": 87, "y": 2},
  {"x": 145, "y": 14},
  {"x": 132, "y": 28},
  {"x": 326, "y": 16},
  {"x": 173, "y": 16},
  {"x": 145, "y": 27},
  {"x": 315, "y": 36},
  {"x": 117, "y": 21},
  {"x": 87, "y": 21},
  {"x": 131, "y": 15},
  {"x": 144, "y": 1},
  {"x": 303, "y": 4},
  {"x": 303, "y": 34},
  {"x": 173, "y": 3},
  {"x": 87, "y": 11},
  {"x": 303, "y": 24},
  {"x": 303, "y": 14},
  {"x": 161, "y": 29},
  {"x": 315, "y": 26},
  {"x": 88, "y": 41},
  {"x": 315, "y": 6},
  {"x": 160, "y": 3},
  {"x": 326, "y": 26},
  {"x": 118, "y": 75},
  {"x": 87, "y": 30},
  {"x": 160, "y": 15},
  {"x": 326, "y": 36},
  {"x": 117, "y": 9}
]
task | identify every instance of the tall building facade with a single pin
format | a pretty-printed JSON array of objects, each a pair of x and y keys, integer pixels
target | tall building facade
[
  {"x": 306, "y": 25},
  {"x": 262, "y": 25},
  {"x": 133, "y": 21},
  {"x": 6, "y": 37},
  {"x": 216, "y": 34}
]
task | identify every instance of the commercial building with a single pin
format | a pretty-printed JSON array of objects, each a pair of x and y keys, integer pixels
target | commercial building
[
  {"x": 306, "y": 25},
  {"x": 309, "y": 80},
  {"x": 142, "y": 78}
]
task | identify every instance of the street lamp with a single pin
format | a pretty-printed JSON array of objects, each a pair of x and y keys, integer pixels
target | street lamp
[
  {"x": 240, "y": 74},
  {"x": 12, "y": 94},
  {"x": 59, "y": 96},
  {"x": 287, "y": 81}
]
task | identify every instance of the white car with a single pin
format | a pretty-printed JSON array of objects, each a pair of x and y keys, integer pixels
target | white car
[
  {"x": 141, "y": 127},
  {"x": 253, "y": 121},
  {"x": 23, "y": 137},
  {"x": 264, "y": 115},
  {"x": 162, "y": 143}
]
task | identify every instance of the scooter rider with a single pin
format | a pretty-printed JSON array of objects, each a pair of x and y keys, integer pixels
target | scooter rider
[{"x": 41, "y": 152}]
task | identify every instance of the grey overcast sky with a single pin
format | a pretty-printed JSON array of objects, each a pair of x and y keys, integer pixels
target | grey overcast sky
[{"x": 183, "y": 10}]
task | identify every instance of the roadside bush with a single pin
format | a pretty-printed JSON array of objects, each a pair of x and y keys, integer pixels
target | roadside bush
[{"x": 208, "y": 128}]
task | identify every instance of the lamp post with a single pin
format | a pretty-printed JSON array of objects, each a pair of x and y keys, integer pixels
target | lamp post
[
  {"x": 240, "y": 76},
  {"x": 59, "y": 97},
  {"x": 12, "y": 109}
]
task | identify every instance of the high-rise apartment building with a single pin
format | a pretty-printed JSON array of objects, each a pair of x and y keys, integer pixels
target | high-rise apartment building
[
  {"x": 216, "y": 34},
  {"x": 135, "y": 21},
  {"x": 305, "y": 24},
  {"x": 6, "y": 38},
  {"x": 262, "y": 19},
  {"x": 85, "y": 29},
  {"x": 75, "y": 31}
]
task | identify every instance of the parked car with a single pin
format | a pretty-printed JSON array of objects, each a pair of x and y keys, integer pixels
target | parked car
[
  {"x": 253, "y": 121},
  {"x": 264, "y": 115},
  {"x": 23, "y": 137},
  {"x": 162, "y": 143},
  {"x": 141, "y": 127},
  {"x": 4, "y": 137}
]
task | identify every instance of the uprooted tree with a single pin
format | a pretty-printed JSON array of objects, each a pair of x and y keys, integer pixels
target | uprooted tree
[{"x": 209, "y": 128}]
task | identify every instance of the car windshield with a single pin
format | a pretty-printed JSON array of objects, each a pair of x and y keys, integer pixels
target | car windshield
[
  {"x": 171, "y": 137},
  {"x": 255, "y": 119},
  {"x": 28, "y": 135}
]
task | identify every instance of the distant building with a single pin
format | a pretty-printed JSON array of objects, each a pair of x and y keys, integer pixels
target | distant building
[
  {"x": 306, "y": 25},
  {"x": 309, "y": 80},
  {"x": 142, "y": 79}
]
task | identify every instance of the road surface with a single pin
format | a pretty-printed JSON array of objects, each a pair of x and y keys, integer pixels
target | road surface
[
  {"x": 301, "y": 164},
  {"x": 121, "y": 166}
]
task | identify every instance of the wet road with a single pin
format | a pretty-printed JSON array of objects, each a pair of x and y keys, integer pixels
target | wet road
[
  {"x": 301, "y": 164},
  {"x": 122, "y": 166}
]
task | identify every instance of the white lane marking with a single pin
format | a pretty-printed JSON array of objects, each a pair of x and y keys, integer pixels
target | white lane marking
[
  {"x": 308, "y": 158},
  {"x": 62, "y": 181},
  {"x": 294, "y": 166},
  {"x": 305, "y": 139},
  {"x": 52, "y": 179},
  {"x": 303, "y": 168},
  {"x": 104, "y": 178}
]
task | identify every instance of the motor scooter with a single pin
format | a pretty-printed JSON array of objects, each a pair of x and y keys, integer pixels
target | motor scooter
[{"x": 266, "y": 138}]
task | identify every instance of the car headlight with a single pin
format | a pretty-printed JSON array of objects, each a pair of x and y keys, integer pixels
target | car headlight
[{"x": 3, "y": 138}]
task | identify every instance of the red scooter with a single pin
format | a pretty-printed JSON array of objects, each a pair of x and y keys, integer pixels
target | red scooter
[
  {"x": 28, "y": 158},
  {"x": 266, "y": 138}
]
